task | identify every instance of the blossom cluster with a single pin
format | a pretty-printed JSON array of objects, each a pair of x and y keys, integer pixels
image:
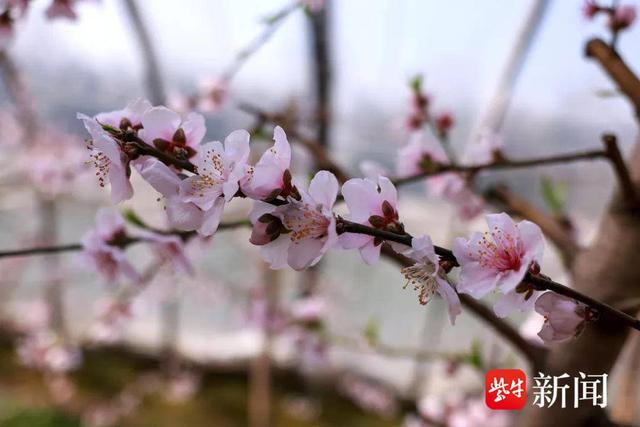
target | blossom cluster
[
  {"x": 294, "y": 224},
  {"x": 619, "y": 17}
]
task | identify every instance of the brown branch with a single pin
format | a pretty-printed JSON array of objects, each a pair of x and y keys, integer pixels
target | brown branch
[
  {"x": 73, "y": 247},
  {"x": 620, "y": 73},
  {"x": 505, "y": 164}
]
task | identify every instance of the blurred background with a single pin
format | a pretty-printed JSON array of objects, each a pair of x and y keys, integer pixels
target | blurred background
[{"x": 212, "y": 350}]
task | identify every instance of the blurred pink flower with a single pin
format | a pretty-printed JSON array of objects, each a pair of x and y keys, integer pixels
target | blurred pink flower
[
  {"x": 486, "y": 148},
  {"x": 424, "y": 154},
  {"x": 45, "y": 351},
  {"x": 300, "y": 232},
  {"x": 182, "y": 386},
  {"x": 564, "y": 318},
  {"x": 421, "y": 154},
  {"x": 590, "y": 9},
  {"x": 373, "y": 203},
  {"x": 212, "y": 94},
  {"x": 444, "y": 122},
  {"x": 56, "y": 162},
  {"x": 101, "y": 250},
  {"x": 309, "y": 309},
  {"x": 62, "y": 9},
  {"x": 270, "y": 177},
  {"x": 220, "y": 169},
  {"x": 168, "y": 132},
  {"x": 500, "y": 258},
  {"x": 369, "y": 396},
  {"x": 623, "y": 17},
  {"x": 428, "y": 277},
  {"x": 170, "y": 248}
]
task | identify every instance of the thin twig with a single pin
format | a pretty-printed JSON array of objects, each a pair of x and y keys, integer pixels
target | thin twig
[{"x": 506, "y": 164}]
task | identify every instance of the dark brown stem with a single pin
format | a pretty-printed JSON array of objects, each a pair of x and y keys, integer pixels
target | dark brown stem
[
  {"x": 153, "y": 76},
  {"x": 620, "y": 167},
  {"x": 506, "y": 164}
]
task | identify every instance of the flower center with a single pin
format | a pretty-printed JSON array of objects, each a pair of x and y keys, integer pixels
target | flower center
[
  {"x": 305, "y": 221},
  {"x": 210, "y": 174},
  {"x": 500, "y": 251},
  {"x": 421, "y": 276}
]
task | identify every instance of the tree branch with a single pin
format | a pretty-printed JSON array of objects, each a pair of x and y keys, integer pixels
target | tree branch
[{"x": 616, "y": 68}]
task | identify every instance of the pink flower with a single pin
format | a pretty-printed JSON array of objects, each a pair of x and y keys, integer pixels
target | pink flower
[
  {"x": 212, "y": 94},
  {"x": 301, "y": 231},
  {"x": 45, "y": 351},
  {"x": 428, "y": 277},
  {"x": 165, "y": 129},
  {"x": 128, "y": 118},
  {"x": 170, "y": 248},
  {"x": 111, "y": 160},
  {"x": 499, "y": 258},
  {"x": 270, "y": 177},
  {"x": 590, "y": 9},
  {"x": 623, "y": 18},
  {"x": 62, "y": 9},
  {"x": 486, "y": 148},
  {"x": 308, "y": 310},
  {"x": 373, "y": 203},
  {"x": 102, "y": 248},
  {"x": 220, "y": 169},
  {"x": 564, "y": 318},
  {"x": 369, "y": 396},
  {"x": 424, "y": 154},
  {"x": 184, "y": 216}
]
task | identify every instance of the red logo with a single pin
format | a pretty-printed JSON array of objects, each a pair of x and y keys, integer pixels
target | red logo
[{"x": 505, "y": 389}]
